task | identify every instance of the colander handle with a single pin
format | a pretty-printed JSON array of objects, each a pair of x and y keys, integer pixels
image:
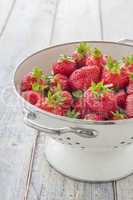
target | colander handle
[
  {"x": 30, "y": 120},
  {"x": 126, "y": 41}
]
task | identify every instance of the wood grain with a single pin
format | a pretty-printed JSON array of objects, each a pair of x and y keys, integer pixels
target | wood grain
[
  {"x": 27, "y": 29},
  {"x": 48, "y": 184},
  {"x": 116, "y": 17},
  {"x": 77, "y": 21}
]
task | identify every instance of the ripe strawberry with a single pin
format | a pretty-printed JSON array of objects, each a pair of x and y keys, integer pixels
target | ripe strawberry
[
  {"x": 96, "y": 58},
  {"x": 113, "y": 74},
  {"x": 95, "y": 116},
  {"x": 82, "y": 78},
  {"x": 33, "y": 97},
  {"x": 59, "y": 111},
  {"x": 80, "y": 107},
  {"x": 60, "y": 80},
  {"x": 130, "y": 86},
  {"x": 118, "y": 115},
  {"x": 121, "y": 98},
  {"x": 128, "y": 64},
  {"x": 129, "y": 105},
  {"x": 65, "y": 65},
  {"x": 80, "y": 54},
  {"x": 100, "y": 99},
  {"x": 27, "y": 82}
]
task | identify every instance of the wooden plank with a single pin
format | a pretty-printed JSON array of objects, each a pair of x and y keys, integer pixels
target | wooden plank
[
  {"x": 77, "y": 21},
  {"x": 125, "y": 188},
  {"x": 6, "y": 7},
  {"x": 28, "y": 29},
  {"x": 116, "y": 17},
  {"x": 46, "y": 183}
]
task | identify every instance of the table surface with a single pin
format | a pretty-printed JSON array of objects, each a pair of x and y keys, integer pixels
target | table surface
[{"x": 25, "y": 27}]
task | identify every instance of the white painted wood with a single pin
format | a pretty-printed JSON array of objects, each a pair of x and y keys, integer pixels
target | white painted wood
[
  {"x": 117, "y": 19},
  {"x": 6, "y": 7},
  {"x": 125, "y": 188},
  {"x": 28, "y": 29},
  {"x": 48, "y": 184},
  {"x": 77, "y": 20}
]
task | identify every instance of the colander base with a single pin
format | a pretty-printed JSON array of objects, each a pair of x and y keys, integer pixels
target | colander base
[{"x": 87, "y": 165}]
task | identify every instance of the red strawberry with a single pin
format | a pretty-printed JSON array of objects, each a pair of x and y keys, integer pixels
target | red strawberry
[
  {"x": 100, "y": 99},
  {"x": 121, "y": 98},
  {"x": 82, "y": 78},
  {"x": 67, "y": 100},
  {"x": 80, "y": 107},
  {"x": 118, "y": 115},
  {"x": 65, "y": 65},
  {"x": 60, "y": 80},
  {"x": 96, "y": 58},
  {"x": 95, "y": 116},
  {"x": 59, "y": 111},
  {"x": 129, "y": 105},
  {"x": 114, "y": 75},
  {"x": 80, "y": 54},
  {"x": 27, "y": 82},
  {"x": 33, "y": 97},
  {"x": 128, "y": 64},
  {"x": 130, "y": 86}
]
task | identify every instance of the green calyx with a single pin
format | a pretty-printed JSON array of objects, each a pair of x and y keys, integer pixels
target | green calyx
[
  {"x": 72, "y": 113},
  {"x": 77, "y": 94},
  {"x": 47, "y": 78},
  {"x": 83, "y": 48},
  {"x": 128, "y": 60},
  {"x": 36, "y": 87},
  {"x": 99, "y": 89},
  {"x": 37, "y": 72},
  {"x": 96, "y": 53},
  {"x": 113, "y": 65},
  {"x": 119, "y": 115},
  {"x": 64, "y": 57},
  {"x": 56, "y": 98},
  {"x": 131, "y": 76}
]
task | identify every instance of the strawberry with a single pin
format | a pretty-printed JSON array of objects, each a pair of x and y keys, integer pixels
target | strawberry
[
  {"x": 113, "y": 74},
  {"x": 100, "y": 99},
  {"x": 95, "y": 116},
  {"x": 118, "y": 115},
  {"x": 80, "y": 54},
  {"x": 130, "y": 86},
  {"x": 80, "y": 107},
  {"x": 59, "y": 111},
  {"x": 129, "y": 105},
  {"x": 128, "y": 64},
  {"x": 27, "y": 82},
  {"x": 65, "y": 65},
  {"x": 121, "y": 98},
  {"x": 33, "y": 97},
  {"x": 82, "y": 78},
  {"x": 60, "y": 80},
  {"x": 96, "y": 58}
]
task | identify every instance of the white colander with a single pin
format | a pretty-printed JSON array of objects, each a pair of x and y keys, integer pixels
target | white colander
[{"x": 82, "y": 149}]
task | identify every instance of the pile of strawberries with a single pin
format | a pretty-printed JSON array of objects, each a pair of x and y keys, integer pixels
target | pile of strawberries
[{"x": 86, "y": 85}]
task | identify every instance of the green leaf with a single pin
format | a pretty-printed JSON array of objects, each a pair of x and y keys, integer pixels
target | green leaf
[
  {"x": 99, "y": 89},
  {"x": 77, "y": 94},
  {"x": 64, "y": 57},
  {"x": 36, "y": 87},
  {"x": 83, "y": 48},
  {"x": 72, "y": 114},
  {"x": 47, "y": 78},
  {"x": 113, "y": 65},
  {"x": 37, "y": 72},
  {"x": 96, "y": 53},
  {"x": 128, "y": 60},
  {"x": 131, "y": 76}
]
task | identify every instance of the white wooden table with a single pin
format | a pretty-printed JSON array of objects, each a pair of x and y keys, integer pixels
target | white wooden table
[{"x": 25, "y": 27}]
